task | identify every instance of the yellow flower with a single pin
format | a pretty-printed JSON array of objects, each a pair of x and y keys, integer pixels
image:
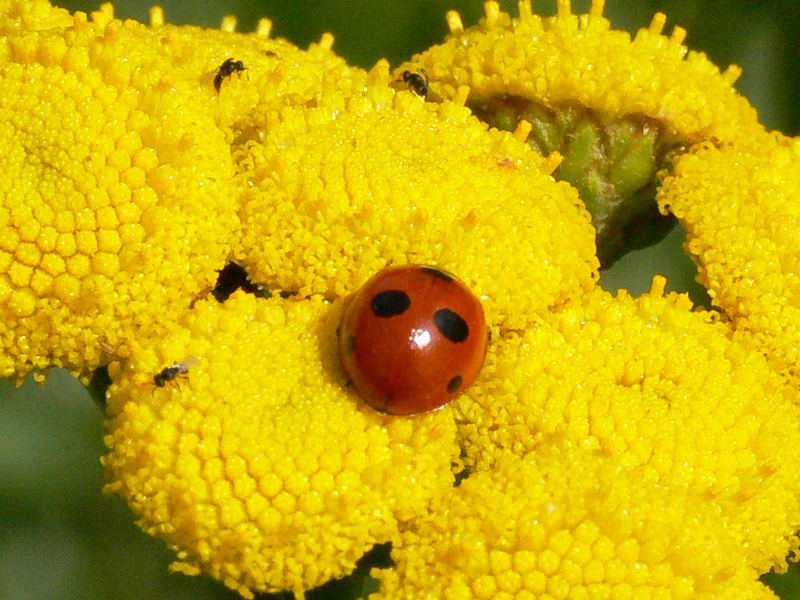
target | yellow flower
[
  {"x": 566, "y": 524},
  {"x": 114, "y": 209},
  {"x": 392, "y": 179},
  {"x": 741, "y": 210},
  {"x": 618, "y": 109},
  {"x": 570, "y": 58},
  {"x": 263, "y": 386},
  {"x": 630, "y": 445},
  {"x": 661, "y": 390},
  {"x": 118, "y": 197},
  {"x": 259, "y": 466}
]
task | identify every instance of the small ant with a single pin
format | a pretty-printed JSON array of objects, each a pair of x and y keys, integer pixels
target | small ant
[
  {"x": 416, "y": 82},
  {"x": 226, "y": 69},
  {"x": 172, "y": 372}
]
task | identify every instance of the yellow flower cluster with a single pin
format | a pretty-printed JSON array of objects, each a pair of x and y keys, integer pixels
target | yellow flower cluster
[
  {"x": 615, "y": 447},
  {"x": 258, "y": 465},
  {"x": 566, "y": 525},
  {"x": 580, "y": 59},
  {"x": 286, "y": 390},
  {"x": 741, "y": 210}
]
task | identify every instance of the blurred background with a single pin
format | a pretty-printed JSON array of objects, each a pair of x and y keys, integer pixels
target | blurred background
[{"x": 60, "y": 538}]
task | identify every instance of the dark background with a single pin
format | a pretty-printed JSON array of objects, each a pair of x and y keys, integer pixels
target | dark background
[{"x": 59, "y": 536}]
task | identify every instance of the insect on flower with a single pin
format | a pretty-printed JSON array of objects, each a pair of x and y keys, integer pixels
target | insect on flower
[
  {"x": 417, "y": 82},
  {"x": 174, "y": 371},
  {"x": 226, "y": 69},
  {"x": 412, "y": 339}
]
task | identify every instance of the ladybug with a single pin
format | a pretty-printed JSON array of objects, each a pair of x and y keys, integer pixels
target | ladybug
[{"x": 412, "y": 339}]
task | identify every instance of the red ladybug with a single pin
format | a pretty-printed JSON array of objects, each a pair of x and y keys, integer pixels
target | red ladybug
[{"x": 412, "y": 339}]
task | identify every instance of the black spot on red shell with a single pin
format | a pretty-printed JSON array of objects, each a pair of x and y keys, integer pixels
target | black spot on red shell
[
  {"x": 451, "y": 325},
  {"x": 438, "y": 273},
  {"x": 454, "y": 384},
  {"x": 390, "y": 303}
]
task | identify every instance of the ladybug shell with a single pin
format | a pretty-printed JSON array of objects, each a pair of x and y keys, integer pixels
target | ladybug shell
[{"x": 412, "y": 339}]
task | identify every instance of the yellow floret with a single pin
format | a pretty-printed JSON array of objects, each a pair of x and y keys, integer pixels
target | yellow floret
[
  {"x": 741, "y": 211},
  {"x": 392, "y": 179},
  {"x": 567, "y": 525},
  {"x": 663, "y": 391},
  {"x": 259, "y": 465},
  {"x": 578, "y": 59}
]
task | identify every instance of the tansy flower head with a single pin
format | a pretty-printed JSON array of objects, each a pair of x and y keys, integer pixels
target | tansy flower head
[
  {"x": 741, "y": 210},
  {"x": 218, "y": 471},
  {"x": 392, "y": 179},
  {"x": 118, "y": 203},
  {"x": 257, "y": 464},
  {"x": 115, "y": 203},
  {"x": 570, "y": 58},
  {"x": 567, "y": 524},
  {"x": 617, "y": 108},
  {"x": 659, "y": 388}
]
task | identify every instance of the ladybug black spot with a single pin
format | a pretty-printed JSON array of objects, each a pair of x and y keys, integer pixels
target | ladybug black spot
[
  {"x": 451, "y": 325},
  {"x": 454, "y": 384},
  {"x": 390, "y": 303},
  {"x": 437, "y": 273}
]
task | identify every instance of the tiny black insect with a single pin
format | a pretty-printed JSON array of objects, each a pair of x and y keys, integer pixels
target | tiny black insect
[
  {"x": 416, "y": 82},
  {"x": 226, "y": 69},
  {"x": 172, "y": 372}
]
